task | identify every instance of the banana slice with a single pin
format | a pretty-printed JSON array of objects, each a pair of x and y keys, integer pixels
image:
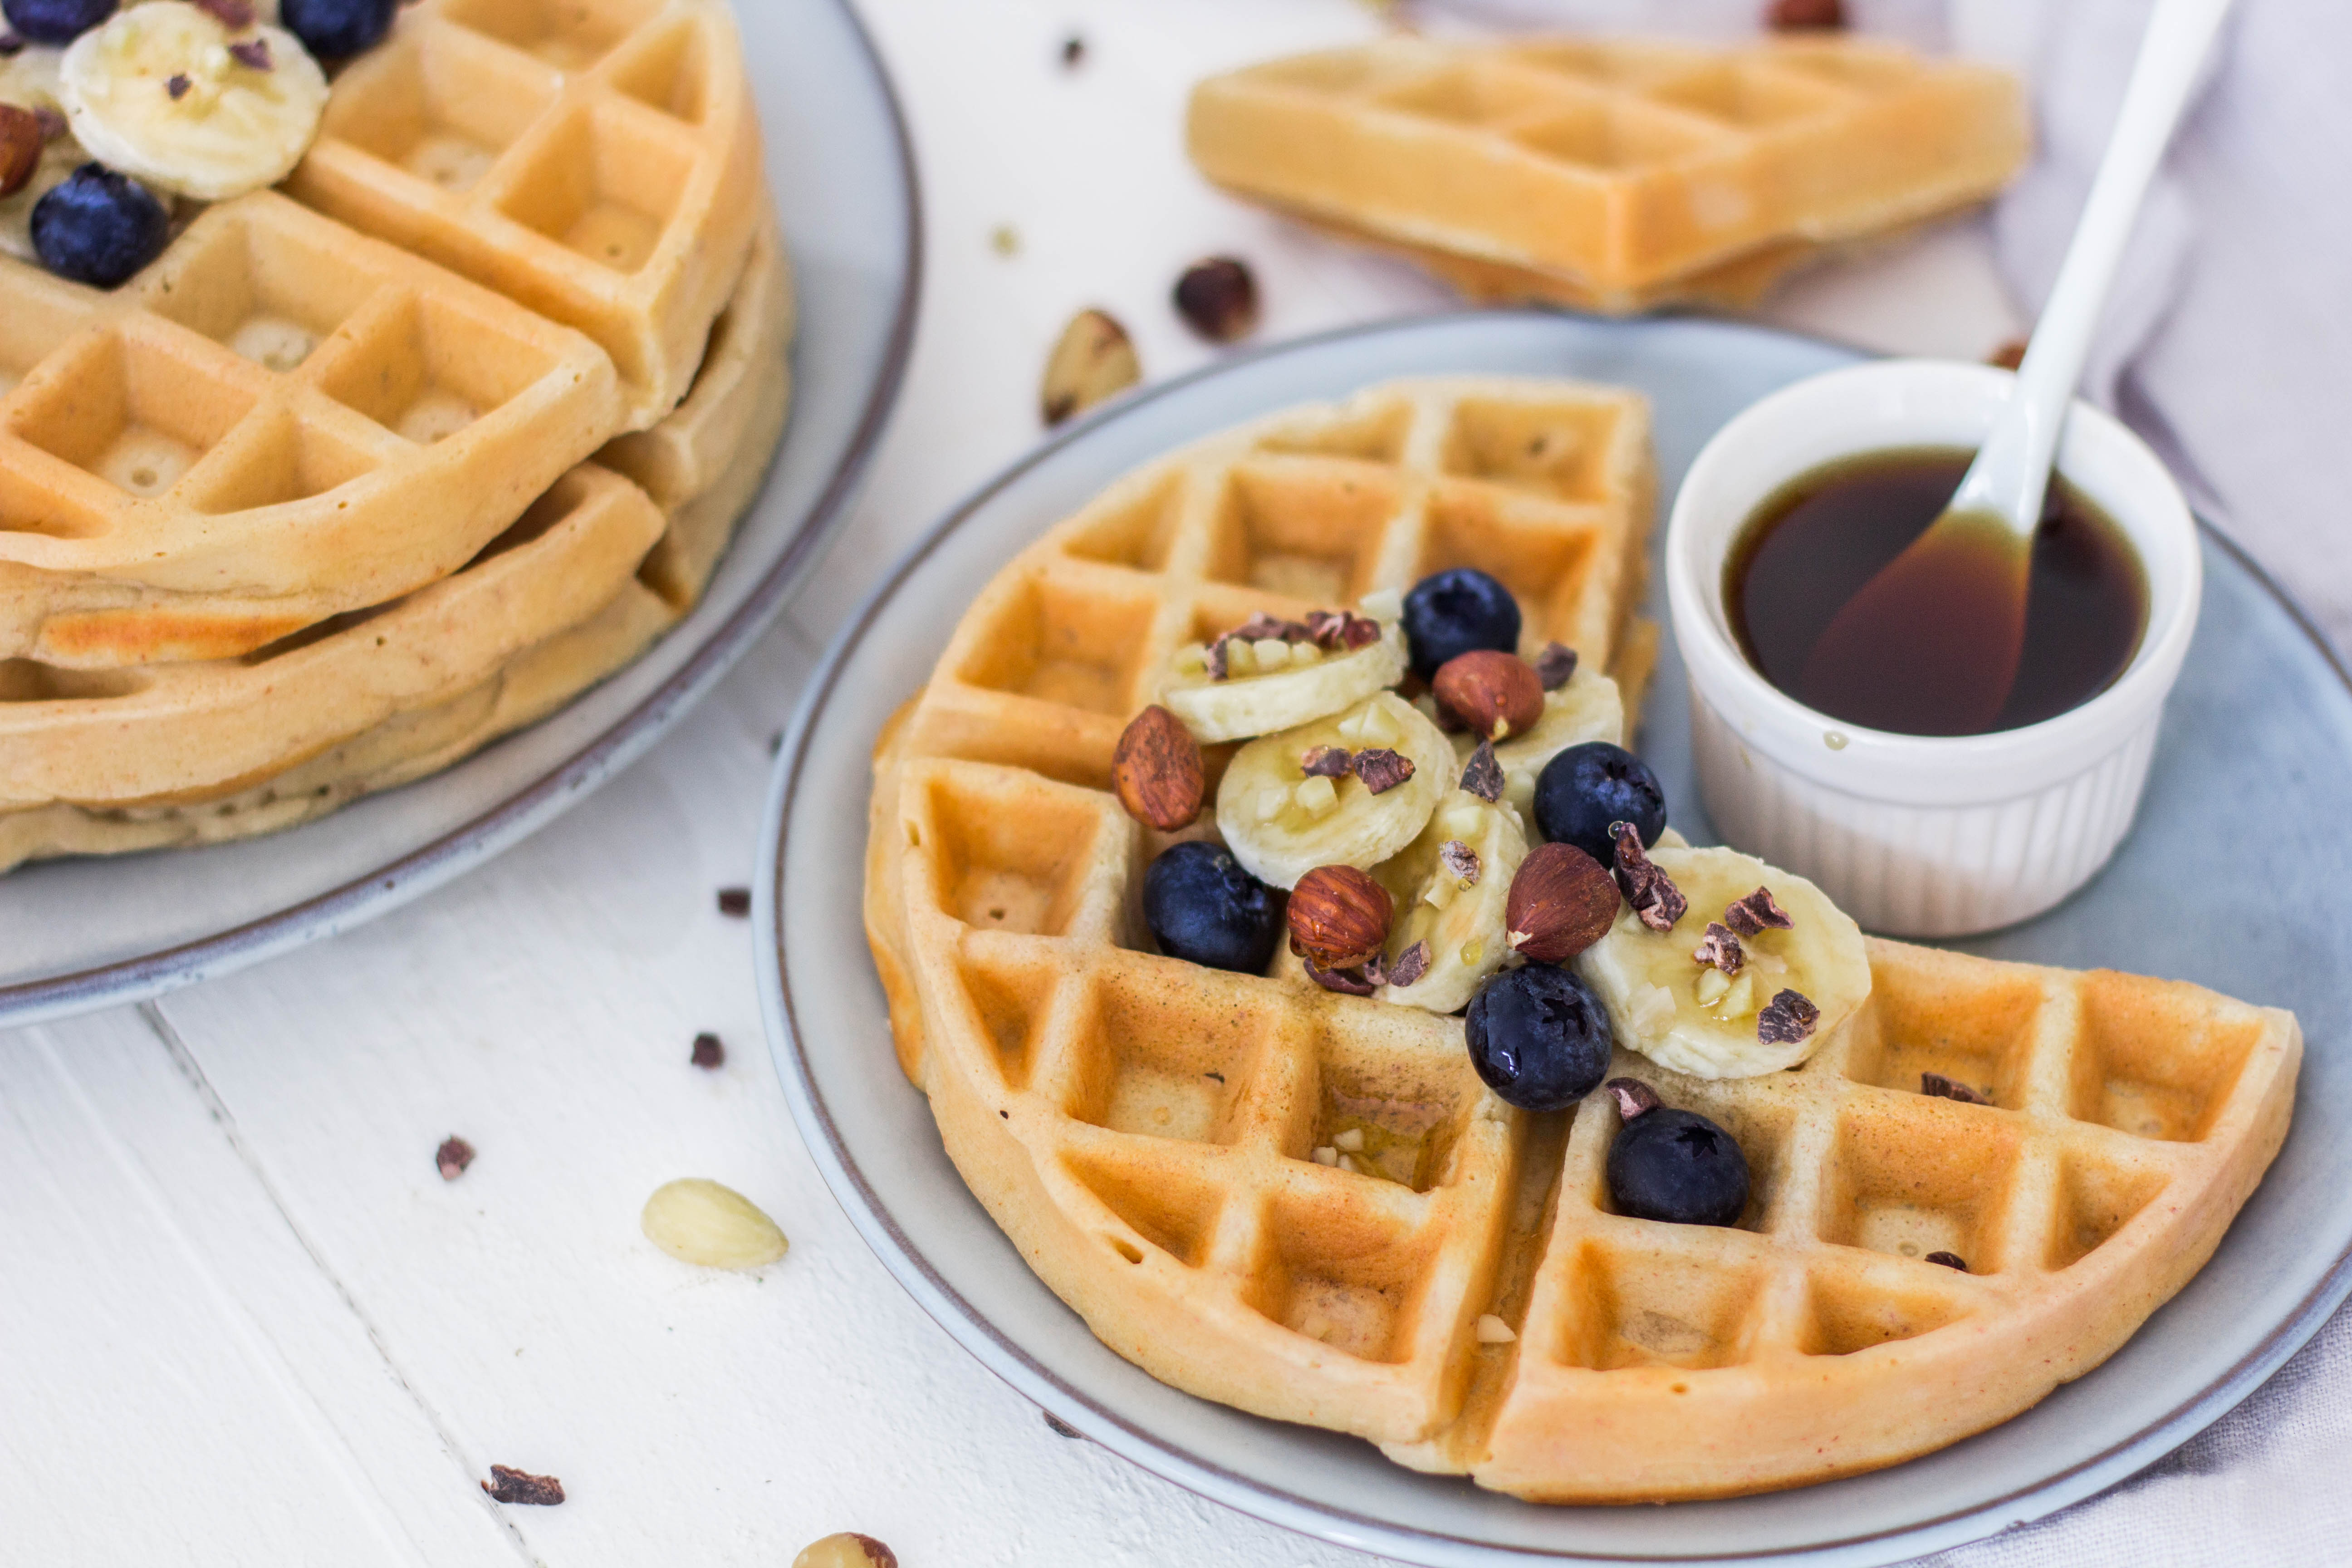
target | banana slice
[
  {"x": 1461, "y": 919},
  {"x": 166, "y": 94},
  {"x": 1280, "y": 823},
  {"x": 1272, "y": 685},
  {"x": 30, "y": 81},
  {"x": 1589, "y": 708},
  {"x": 1694, "y": 1018}
]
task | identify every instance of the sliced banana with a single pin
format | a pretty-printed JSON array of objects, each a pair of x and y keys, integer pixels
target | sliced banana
[
  {"x": 1275, "y": 685},
  {"x": 159, "y": 94},
  {"x": 1589, "y": 708},
  {"x": 1280, "y": 823},
  {"x": 30, "y": 81},
  {"x": 1694, "y": 1018},
  {"x": 1462, "y": 920}
]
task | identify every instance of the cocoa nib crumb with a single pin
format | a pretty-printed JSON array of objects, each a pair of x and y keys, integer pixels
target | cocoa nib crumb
[
  {"x": 1327, "y": 763},
  {"x": 1634, "y": 1097},
  {"x": 1353, "y": 982},
  {"x": 1649, "y": 890},
  {"x": 1410, "y": 965},
  {"x": 1949, "y": 1260},
  {"x": 1556, "y": 666},
  {"x": 1382, "y": 770},
  {"x": 1460, "y": 860},
  {"x": 452, "y": 1158},
  {"x": 708, "y": 1051},
  {"x": 1217, "y": 669},
  {"x": 1787, "y": 1020},
  {"x": 735, "y": 903},
  {"x": 1217, "y": 296},
  {"x": 1484, "y": 775},
  {"x": 1073, "y": 55},
  {"x": 1260, "y": 627},
  {"x": 11, "y": 45},
  {"x": 1751, "y": 914},
  {"x": 1720, "y": 948},
  {"x": 1942, "y": 1088},
  {"x": 178, "y": 86},
  {"x": 1335, "y": 629},
  {"x": 509, "y": 1485},
  {"x": 1805, "y": 15},
  {"x": 253, "y": 54},
  {"x": 236, "y": 15}
]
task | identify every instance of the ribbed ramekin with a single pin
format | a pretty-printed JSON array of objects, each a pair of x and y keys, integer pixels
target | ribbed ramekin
[{"x": 1912, "y": 835}]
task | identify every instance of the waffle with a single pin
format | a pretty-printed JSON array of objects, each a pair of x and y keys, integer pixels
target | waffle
[
  {"x": 595, "y": 159},
  {"x": 704, "y": 463},
  {"x": 278, "y": 422},
  {"x": 1618, "y": 176}
]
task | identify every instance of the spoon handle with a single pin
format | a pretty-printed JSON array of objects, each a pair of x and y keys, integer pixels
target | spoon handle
[{"x": 2012, "y": 471}]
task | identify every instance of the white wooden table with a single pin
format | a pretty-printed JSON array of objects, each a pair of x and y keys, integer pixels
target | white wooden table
[{"x": 243, "y": 1320}]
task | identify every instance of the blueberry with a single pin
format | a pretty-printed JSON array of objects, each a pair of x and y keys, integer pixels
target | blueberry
[
  {"x": 1679, "y": 1167},
  {"x": 1585, "y": 790},
  {"x": 99, "y": 227},
  {"x": 1539, "y": 1036},
  {"x": 1454, "y": 612},
  {"x": 338, "y": 29},
  {"x": 1203, "y": 907},
  {"x": 54, "y": 21}
]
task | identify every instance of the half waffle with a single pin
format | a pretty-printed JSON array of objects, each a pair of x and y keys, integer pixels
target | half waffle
[
  {"x": 595, "y": 159},
  {"x": 1611, "y": 175},
  {"x": 705, "y": 462},
  {"x": 278, "y": 422}
]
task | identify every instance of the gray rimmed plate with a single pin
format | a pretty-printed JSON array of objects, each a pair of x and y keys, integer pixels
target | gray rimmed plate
[
  {"x": 2237, "y": 850},
  {"x": 90, "y": 933}
]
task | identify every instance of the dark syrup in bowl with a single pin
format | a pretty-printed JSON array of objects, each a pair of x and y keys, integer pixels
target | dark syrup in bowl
[{"x": 1817, "y": 540}]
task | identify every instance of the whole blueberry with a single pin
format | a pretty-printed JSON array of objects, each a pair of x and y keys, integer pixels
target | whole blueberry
[
  {"x": 99, "y": 227},
  {"x": 1539, "y": 1036},
  {"x": 338, "y": 29},
  {"x": 54, "y": 21},
  {"x": 1453, "y": 612},
  {"x": 1677, "y": 1166},
  {"x": 1585, "y": 790},
  {"x": 1203, "y": 907}
]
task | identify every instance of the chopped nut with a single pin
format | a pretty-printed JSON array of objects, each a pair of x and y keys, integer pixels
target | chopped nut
[
  {"x": 1493, "y": 693},
  {"x": 1649, "y": 890},
  {"x": 2010, "y": 355},
  {"x": 1335, "y": 629},
  {"x": 1483, "y": 775},
  {"x": 735, "y": 903},
  {"x": 1787, "y": 1019},
  {"x": 1260, "y": 628},
  {"x": 1805, "y": 15},
  {"x": 1351, "y": 1141},
  {"x": 708, "y": 1052},
  {"x": 1942, "y": 1088},
  {"x": 1095, "y": 359},
  {"x": 700, "y": 1222},
  {"x": 850, "y": 1550},
  {"x": 20, "y": 148},
  {"x": 509, "y": 1485},
  {"x": 1326, "y": 1155},
  {"x": 1409, "y": 965},
  {"x": 452, "y": 1158},
  {"x": 236, "y": 15},
  {"x": 1460, "y": 860},
  {"x": 1327, "y": 763},
  {"x": 177, "y": 86},
  {"x": 1382, "y": 769},
  {"x": 1556, "y": 666},
  {"x": 1492, "y": 1330},
  {"x": 1338, "y": 915},
  {"x": 1949, "y": 1260},
  {"x": 1561, "y": 903},
  {"x": 1633, "y": 1097},
  {"x": 1751, "y": 915},
  {"x": 1157, "y": 770},
  {"x": 1719, "y": 948},
  {"x": 1218, "y": 299},
  {"x": 253, "y": 54}
]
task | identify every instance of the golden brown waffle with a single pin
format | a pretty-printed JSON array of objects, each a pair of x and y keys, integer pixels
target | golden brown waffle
[
  {"x": 705, "y": 462},
  {"x": 278, "y": 422},
  {"x": 595, "y": 159},
  {"x": 1612, "y": 175}
]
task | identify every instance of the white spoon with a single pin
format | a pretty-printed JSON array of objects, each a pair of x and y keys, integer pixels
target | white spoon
[{"x": 1978, "y": 551}]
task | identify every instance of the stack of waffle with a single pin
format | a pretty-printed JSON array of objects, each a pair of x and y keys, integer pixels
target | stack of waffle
[
  {"x": 370, "y": 469},
  {"x": 1612, "y": 176}
]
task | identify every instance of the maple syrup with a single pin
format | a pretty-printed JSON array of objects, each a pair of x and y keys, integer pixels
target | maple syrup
[{"x": 1813, "y": 543}]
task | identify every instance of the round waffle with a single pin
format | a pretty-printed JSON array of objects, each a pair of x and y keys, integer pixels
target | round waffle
[{"x": 1144, "y": 1129}]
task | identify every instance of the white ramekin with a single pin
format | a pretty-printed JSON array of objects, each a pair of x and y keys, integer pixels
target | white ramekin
[{"x": 1921, "y": 836}]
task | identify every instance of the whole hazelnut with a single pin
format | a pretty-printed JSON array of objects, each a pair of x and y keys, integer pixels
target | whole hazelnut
[
  {"x": 847, "y": 1550},
  {"x": 1157, "y": 770},
  {"x": 1218, "y": 299},
  {"x": 1495, "y": 693},
  {"x": 1561, "y": 902},
  {"x": 1339, "y": 917}
]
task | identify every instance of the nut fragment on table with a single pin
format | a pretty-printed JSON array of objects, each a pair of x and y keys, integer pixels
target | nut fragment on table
[
  {"x": 1095, "y": 359},
  {"x": 847, "y": 1550},
  {"x": 708, "y": 1051},
  {"x": 509, "y": 1485},
  {"x": 1218, "y": 299},
  {"x": 1805, "y": 15},
  {"x": 699, "y": 1221},
  {"x": 452, "y": 1158}
]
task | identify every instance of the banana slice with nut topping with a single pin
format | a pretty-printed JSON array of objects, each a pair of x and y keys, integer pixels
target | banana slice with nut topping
[
  {"x": 1589, "y": 708},
  {"x": 1453, "y": 887},
  {"x": 1381, "y": 770},
  {"x": 1271, "y": 675}
]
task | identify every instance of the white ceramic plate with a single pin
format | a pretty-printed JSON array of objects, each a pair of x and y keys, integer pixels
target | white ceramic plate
[
  {"x": 77, "y": 934},
  {"x": 2233, "y": 878}
]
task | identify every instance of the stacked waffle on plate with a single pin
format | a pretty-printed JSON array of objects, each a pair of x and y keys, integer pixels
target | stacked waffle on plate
[
  {"x": 1158, "y": 1138},
  {"x": 1612, "y": 176},
  {"x": 301, "y": 511}
]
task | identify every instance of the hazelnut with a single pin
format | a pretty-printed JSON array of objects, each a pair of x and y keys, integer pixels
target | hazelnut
[
  {"x": 1495, "y": 694},
  {"x": 20, "y": 148},
  {"x": 1561, "y": 903},
  {"x": 847, "y": 1550},
  {"x": 1339, "y": 917},
  {"x": 1157, "y": 770},
  {"x": 1805, "y": 15},
  {"x": 1094, "y": 360},
  {"x": 1218, "y": 299}
]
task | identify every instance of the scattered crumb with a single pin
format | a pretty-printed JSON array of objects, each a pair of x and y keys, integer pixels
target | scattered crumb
[{"x": 452, "y": 1158}]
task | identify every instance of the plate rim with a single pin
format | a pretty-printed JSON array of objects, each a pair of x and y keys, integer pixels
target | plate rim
[
  {"x": 522, "y": 813},
  {"x": 1254, "y": 1497}
]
